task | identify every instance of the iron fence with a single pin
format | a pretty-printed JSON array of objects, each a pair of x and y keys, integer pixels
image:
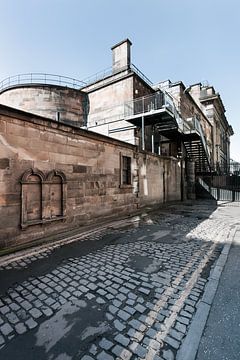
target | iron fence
[
  {"x": 232, "y": 168},
  {"x": 223, "y": 183}
]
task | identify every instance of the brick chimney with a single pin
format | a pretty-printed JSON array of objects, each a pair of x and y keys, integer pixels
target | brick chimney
[{"x": 121, "y": 55}]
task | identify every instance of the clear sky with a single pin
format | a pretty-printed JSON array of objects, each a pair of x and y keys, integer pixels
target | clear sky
[{"x": 188, "y": 40}]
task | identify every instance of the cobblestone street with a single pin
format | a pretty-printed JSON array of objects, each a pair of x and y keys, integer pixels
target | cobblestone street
[{"x": 120, "y": 293}]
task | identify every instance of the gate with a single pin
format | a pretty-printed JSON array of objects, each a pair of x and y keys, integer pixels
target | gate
[{"x": 224, "y": 182}]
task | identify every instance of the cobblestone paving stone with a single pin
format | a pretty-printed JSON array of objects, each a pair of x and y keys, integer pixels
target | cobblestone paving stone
[{"x": 146, "y": 287}]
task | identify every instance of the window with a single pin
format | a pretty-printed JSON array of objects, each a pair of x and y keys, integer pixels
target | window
[
  {"x": 126, "y": 170},
  {"x": 43, "y": 197}
]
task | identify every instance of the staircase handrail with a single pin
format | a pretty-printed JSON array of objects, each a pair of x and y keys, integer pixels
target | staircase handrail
[
  {"x": 199, "y": 129},
  {"x": 203, "y": 184},
  {"x": 194, "y": 125}
]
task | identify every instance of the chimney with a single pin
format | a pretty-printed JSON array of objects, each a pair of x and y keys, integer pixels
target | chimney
[{"x": 121, "y": 55}]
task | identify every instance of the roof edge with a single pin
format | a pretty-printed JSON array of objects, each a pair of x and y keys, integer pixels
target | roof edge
[{"x": 121, "y": 42}]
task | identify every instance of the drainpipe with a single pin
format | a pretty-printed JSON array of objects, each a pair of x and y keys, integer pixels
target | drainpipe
[
  {"x": 191, "y": 179},
  {"x": 143, "y": 134},
  {"x": 152, "y": 141}
]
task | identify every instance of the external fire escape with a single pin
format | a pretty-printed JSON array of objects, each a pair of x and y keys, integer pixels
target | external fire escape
[
  {"x": 195, "y": 144},
  {"x": 158, "y": 109}
]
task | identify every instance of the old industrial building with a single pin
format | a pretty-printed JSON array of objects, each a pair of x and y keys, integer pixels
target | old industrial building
[{"x": 72, "y": 151}]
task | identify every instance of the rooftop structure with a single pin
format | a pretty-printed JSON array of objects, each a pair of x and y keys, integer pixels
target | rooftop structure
[{"x": 121, "y": 102}]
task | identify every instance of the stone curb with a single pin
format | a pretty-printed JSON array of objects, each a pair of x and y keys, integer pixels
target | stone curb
[
  {"x": 67, "y": 239},
  {"x": 113, "y": 223},
  {"x": 189, "y": 348},
  {"x": 21, "y": 254}
]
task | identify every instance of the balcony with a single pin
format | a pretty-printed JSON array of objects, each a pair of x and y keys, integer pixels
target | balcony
[{"x": 154, "y": 108}]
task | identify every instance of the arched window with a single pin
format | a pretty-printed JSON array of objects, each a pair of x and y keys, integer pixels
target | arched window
[
  {"x": 31, "y": 197},
  {"x": 43, "y": 198},
  {"x": 55, "y": 188}
]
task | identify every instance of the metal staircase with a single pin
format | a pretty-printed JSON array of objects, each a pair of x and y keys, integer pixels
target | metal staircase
[
  {"x": 158, "y": 109},
  {"x": 195, "y": 144}
]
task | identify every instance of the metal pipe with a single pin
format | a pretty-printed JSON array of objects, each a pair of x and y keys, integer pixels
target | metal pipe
[
  {"x": 153, "y": 142},
  {"x": 143, "y": 134}
]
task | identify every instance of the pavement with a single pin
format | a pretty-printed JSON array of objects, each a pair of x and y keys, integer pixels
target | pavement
[
  {"x": 221, "y": 337},
  {"x": 139, "y": 289}
]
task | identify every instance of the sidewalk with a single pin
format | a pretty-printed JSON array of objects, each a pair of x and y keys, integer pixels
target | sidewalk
[{"x": 221, "y": 338}]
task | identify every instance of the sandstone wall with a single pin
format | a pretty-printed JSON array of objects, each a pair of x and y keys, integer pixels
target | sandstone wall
[
  {"x": 106, "y": 107},
  {"x": 55, "y": 177},
  {"x": 159, "y": 180},
  {"x": 107, "y": 103},
  {"x": 106, "y": 110},
  {"x": 47, "y": 100}
]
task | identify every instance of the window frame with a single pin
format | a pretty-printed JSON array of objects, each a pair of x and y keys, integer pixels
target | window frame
[{"x": 125, "y": 170}]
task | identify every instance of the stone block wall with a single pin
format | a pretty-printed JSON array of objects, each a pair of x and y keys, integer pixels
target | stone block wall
[
  {"x": 48, "y": 100},
  {"x": 159, "y": 179},
  {"x": 140, "y": 88},
  {"x": 107, "y": 102},
  {"x": 55, "y": 177}
]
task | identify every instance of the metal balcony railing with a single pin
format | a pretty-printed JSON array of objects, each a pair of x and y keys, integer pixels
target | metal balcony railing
[
  {"x": 42, "y": 79},
  {"x": 149, "y": 103}
]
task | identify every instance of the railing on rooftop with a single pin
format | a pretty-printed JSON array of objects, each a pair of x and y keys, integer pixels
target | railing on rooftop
[
  {"x": 141, "y": 75},
  {"x": 149, "y": 103},
  {"x": 40, "y": 78},
  {"x": 104, "y": 74},
  {"x": 100, "y": 75},
  {"x": 51, "y": 79}
]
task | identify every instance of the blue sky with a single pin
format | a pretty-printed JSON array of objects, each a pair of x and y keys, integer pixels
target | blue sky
[{"x": 186, "y": 40}]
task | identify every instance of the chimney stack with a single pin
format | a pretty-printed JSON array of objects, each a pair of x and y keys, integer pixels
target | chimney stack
[{"x": 121, "y": 55}]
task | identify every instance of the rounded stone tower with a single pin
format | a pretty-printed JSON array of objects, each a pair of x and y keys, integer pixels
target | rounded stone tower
[{"x": 63, "y": 102}]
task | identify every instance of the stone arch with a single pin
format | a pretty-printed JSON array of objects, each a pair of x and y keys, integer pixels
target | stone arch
[
  {"x": 55, "y": 194},
  {"x": 55, "y": 173},
  {"x": 32, "y": 172},
  {"x": 31, "y": 197},
  {"x": 43, "y": 198}
]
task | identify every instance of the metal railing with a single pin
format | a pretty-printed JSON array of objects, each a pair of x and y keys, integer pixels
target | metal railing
[
  {"x": 52, "y": 79},
  {"x": 226, "y": 168},
  {"x": 40, "y": 78},
  {"x": 98, "y": 76},
  {"x": 149, "y": 103},
  {"x": 194, "y": 125},
  {"x": 141, "y": 75},
  {"x": 103, "y": 74}
]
